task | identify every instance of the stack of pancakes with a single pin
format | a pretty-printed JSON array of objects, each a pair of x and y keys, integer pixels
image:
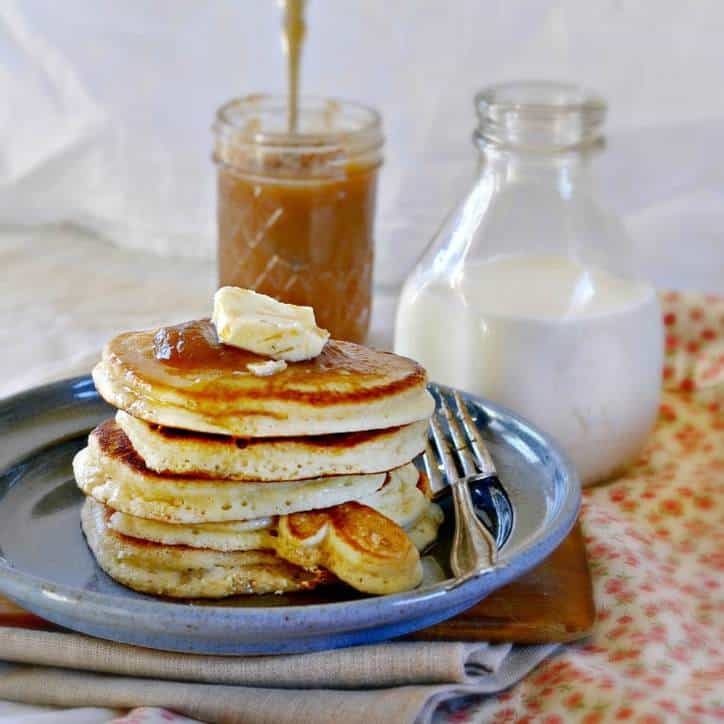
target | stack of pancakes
[{"x": 213, "y": 481}]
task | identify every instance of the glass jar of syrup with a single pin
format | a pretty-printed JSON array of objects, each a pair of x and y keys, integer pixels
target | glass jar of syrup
[{"x": 296, "y": 210}]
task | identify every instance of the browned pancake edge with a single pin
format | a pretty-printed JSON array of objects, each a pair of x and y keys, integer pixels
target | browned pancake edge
[{"x": 189, "y": 359}]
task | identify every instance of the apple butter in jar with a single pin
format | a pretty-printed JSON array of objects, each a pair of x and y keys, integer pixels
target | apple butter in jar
[{"x": 296, "y": 210}]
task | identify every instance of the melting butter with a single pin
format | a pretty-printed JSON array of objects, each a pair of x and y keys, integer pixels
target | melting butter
[
  {"x": 267, "y": 327},
  {"x": 268, "y": 368}
]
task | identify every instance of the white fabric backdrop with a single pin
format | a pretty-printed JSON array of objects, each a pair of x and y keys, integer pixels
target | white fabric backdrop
[{"x": 107, "y": 106}]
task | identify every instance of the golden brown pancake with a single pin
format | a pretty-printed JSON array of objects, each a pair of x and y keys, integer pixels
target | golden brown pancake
[
  {"x": 359, "y": 545},
  {"x": 175, "y": 451},
  {"x": 183, "y": 377},
  {"x": 402, "y": 499},
  {"x": 183, "y": 572},
  {"x": 111, "y": 471},
  {"x": 353, "y": 542},
  {"x": 238, "y": 536},
  {"x": 227, "y": 536}
]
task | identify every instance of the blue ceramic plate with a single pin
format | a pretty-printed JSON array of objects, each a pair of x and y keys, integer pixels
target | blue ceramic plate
[{"x": 46, "y": 567}]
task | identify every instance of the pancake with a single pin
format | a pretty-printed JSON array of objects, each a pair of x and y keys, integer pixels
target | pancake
[
  {"x": 111, "y": 471},
  {"x": 359, "y": 545},
  {"x": 352, "y": 541},
  {"x": 403, "y": 498},
  {"x": 181, "y": 572},
  {"x": 400, "y": 500},
  {"x": 170, "y": 450},
  {"x": 230, "y": 536},
  {"x": 423, "y": 531},
  {"x": 183, "y": 377}
]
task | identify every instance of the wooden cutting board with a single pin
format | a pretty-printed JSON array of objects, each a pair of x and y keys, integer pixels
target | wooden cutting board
[{"x": 553, "y": 602}]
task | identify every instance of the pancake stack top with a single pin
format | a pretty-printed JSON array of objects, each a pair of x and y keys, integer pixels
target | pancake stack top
[{"x": 227, "y": 472}]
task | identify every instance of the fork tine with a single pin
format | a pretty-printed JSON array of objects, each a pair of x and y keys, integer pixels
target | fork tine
[
  {"x": 432, "y": 469},
  {"x": 443, "y": 449},
  {"x": 475, "y": 439},
  {"x": 461, "y": 443}
]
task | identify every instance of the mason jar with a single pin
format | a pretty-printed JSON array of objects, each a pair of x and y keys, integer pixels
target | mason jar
[{"x": 296, "y": 210}]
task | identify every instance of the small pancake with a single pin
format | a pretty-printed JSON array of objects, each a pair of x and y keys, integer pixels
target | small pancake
[
  {"x": 424, "y": 530},
  {"x": 183, "y": 377},
  {"x": 359, "y": 545},
  {"x": 403, "y": 498},
  {"x": 111, "y": 471},
  {"x": 181, "y": 572},
  {"x": 170, "y": 450},
  {"x": 400, "y": 499},
  {"x": 351, "y": 541},
  {"x": 230, "y": 536}
]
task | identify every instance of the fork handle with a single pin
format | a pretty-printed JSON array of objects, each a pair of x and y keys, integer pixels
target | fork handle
[{"x": 473, "y": 550}]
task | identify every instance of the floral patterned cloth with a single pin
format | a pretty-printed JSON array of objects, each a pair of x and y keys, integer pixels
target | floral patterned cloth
[{"x": 655, "y": 539}]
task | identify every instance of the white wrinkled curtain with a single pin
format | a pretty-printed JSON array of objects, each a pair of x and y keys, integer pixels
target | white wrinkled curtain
[{"x": 106, "y": 108}]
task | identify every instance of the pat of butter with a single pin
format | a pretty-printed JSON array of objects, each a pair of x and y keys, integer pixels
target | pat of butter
[
  {"x": 265, "y": 326},
  {"x": 268, "y": 368}
]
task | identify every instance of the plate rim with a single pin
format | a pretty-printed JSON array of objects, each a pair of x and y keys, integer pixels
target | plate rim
[{"x": 372, "y": 611}]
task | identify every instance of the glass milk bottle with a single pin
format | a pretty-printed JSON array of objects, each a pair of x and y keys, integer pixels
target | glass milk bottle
[{"x": 528, "y": 296}]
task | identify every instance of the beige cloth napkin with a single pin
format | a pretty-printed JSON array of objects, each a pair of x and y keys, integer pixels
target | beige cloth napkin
[{"x": 395, "y": 682}]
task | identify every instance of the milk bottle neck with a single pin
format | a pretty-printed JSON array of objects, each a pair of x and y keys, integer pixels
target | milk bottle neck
[
  {"x": 561, "y": 171},
  {"x": 538, "y": 131}
]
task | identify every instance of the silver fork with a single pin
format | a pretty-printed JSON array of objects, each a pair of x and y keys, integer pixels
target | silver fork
[{"x": 473, "y": 549}]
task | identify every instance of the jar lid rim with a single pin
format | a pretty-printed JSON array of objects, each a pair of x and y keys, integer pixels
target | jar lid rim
[
  {"x": 236, "y": 118},
  {"x": 539, "y": 97},
  {"x": 540, "y": 116}
]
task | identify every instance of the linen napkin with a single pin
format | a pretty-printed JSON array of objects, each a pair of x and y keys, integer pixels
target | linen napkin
[{"x": 395, "y": 682}]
